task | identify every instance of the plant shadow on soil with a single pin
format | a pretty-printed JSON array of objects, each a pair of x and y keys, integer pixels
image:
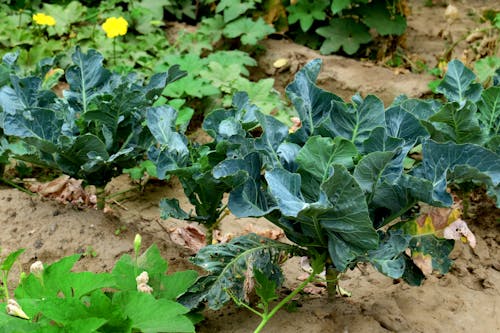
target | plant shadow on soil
[{"x": 465, "y": 300}]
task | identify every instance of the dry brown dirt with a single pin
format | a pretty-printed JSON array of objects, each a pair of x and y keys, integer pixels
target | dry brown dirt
[{"x": 465, "y": 300}]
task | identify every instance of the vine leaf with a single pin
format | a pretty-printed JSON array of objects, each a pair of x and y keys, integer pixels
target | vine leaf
[
  {"x": 306, "y": 12},
  {"x": 378, "y": 16},
  {"x": 345, "y": 33},
  {"x": 339, "y": 5},
  {"x": 249, "y": 30}
]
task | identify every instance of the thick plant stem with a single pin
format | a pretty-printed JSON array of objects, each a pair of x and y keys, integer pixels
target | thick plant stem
[
  {"x": 332, "y": 277},
  {"x": 212, "y": 227},
  {"x": 267, "y": 316}
]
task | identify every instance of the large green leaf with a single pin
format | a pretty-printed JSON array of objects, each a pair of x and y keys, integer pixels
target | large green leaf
[
  {"x": 85, "y": 147},
  {"x": 43, "y": 126},
  {"x": 347, "y": 222},
  {"x": 458, "y": 85},
  {"x": 25, "y": 93},
  {"x": 274, "y": 133},
  {"x": 312, "y": 103},
  {"x": 456, "y": 124},
  {"x": 57, "y": 280},
  {"x": 230, "y": 266},
  {"x": 449, "y": 162},
  {"x": 127, "y": 268},
  {"x": 319, "y": 154},
  {"x": 402, "y": 123},
  {"x": 247, "y": 198},
  {"x": 419, "y": 108},
  {"x": 172, "y": 152},
  {"x": 86, "y": 78},
  {"x": 489, "y": 111},
  {"x": 389, "y": 258},
  {"x": 369, "y": 172},
  {"x": 151, "y": 315},
  {"x": 341, "y": 212},
  {"x": 355, "y": 121}
]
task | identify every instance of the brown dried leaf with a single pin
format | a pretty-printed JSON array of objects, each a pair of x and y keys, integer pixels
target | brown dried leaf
[
  {"x": 424, "y": 262},
  {"x": 268, "y": 233},
  {"x": 459, "y": 230},
  {"x": 315, "y": 290},
  {"x": 218, "y": 237},
  {"x": 66, "y": 190},
  {"x": 438, "y": 218},
  {"x": 296, "y": 124},
  {"x": 190, "y": 237},
  {"x": 46, "y": 189},
  {"x": 248, "y": 284}
]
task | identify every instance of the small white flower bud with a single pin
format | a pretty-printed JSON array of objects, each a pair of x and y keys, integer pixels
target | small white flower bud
[
  {"x": 142, "y": 278},
  {"x": 36, "y": 268},
  {"x": 14, "y": 309},
  {"x": 137, "y": 244},
  {"x": 144, "y": 288},
  {"x": 451, "y": 13}
]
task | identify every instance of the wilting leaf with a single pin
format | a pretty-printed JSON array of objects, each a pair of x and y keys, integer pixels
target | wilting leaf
[
  {"x": 228, "y": 264},
  {"x": 189, "y": 237},
  {"x": 459, "y": 230}
]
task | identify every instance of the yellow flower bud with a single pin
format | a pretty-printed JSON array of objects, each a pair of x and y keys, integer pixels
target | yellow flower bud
[
  {"x": 43, "y": 19},
  {"x": 115, "y": 27}
]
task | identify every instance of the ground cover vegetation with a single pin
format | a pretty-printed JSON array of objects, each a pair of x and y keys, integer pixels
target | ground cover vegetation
[{"x": 350, "y": 182}]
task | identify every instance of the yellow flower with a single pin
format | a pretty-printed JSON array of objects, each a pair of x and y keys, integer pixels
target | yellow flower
[
  {"x": 115, "y": 27},
  {"x": 43, "y": 19}
]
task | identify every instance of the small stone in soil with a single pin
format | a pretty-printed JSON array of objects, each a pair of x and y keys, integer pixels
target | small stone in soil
[
  {"x": 38, "y": 244},
  {"x": 52, "y": 228}
]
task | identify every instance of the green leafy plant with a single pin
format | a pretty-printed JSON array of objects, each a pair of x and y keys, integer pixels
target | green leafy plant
[
  {"x": 349, "y": 22},
  {"x": 192, "y": 164},
  {"x": 94, "y": 130},
  {"x": 338, "y": 184},
  {"x": 136, "y": 297}
]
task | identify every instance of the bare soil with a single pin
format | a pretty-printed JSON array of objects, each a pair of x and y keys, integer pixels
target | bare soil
[{"x": 465, "y": 300}]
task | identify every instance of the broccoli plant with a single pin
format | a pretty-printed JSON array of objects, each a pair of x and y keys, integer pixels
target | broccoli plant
[
  {"x": 94, "y": 129},
  {"x": 356, "y": 182}
]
